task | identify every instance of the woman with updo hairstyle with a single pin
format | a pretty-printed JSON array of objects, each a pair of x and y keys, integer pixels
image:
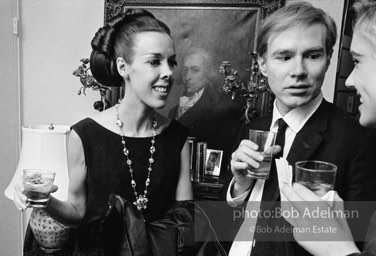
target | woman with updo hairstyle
[
  {"x": 129, "y": 149},
  {"x": 116, "y": 39}
]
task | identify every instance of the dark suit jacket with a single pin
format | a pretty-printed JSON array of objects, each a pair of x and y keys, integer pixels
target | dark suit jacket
[
  {"x": 329, "y": 135},
  {"x": 214, "y": 119}
]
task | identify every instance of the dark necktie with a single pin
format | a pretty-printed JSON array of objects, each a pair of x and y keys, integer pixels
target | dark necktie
[
  {"x": 280, "y": 140},
  {"x": 271, "y": 185}
]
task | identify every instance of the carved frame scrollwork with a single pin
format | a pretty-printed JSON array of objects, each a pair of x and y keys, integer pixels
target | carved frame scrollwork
[{"x": 113, "y": 7}]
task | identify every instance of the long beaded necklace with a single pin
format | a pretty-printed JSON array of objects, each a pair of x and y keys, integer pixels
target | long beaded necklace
[{"x": 141, "y": 200}]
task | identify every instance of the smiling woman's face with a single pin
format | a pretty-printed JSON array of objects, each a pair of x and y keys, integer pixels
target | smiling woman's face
[
  {"x": 150, "y": 75},
  {"x": 363, "y": 77}
]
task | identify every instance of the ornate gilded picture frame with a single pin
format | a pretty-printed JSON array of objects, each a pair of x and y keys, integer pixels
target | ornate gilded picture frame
[{"x": 225, "y": 28}]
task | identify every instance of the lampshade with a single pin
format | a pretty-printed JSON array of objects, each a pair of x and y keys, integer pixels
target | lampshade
[{"x": 44, "y": 148}]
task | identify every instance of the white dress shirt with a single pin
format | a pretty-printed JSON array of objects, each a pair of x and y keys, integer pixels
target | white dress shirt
[{"x": 295, "y": 119}]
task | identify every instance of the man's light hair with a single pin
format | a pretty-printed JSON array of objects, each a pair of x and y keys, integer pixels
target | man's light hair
[{"x": 295, "y": 14}]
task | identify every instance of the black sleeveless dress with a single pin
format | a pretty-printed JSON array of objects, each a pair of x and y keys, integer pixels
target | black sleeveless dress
[{"x": 107, "y": 173}]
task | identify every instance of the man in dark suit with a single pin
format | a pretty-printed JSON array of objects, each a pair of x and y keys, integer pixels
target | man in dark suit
[
  {"x": 295, "y": 46},
  {"x": 209, "y": 114}
]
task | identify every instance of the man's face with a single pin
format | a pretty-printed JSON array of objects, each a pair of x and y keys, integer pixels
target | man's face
[
  {"x": 194, "y": 74},
  {"x": 295, "y": 63}
]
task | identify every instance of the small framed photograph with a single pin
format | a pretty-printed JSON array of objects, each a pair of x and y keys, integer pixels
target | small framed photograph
[{"x": 213, "y": 162}]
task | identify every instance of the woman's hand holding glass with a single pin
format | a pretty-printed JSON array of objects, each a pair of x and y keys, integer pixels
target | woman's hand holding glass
[
  {"x": 20, "y": 198},
  {"x": 304, "y": 202}
]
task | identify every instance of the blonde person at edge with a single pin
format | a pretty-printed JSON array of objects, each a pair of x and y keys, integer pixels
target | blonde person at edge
[
  {"x": 137, "y": 49},
  {"x": 363, "y": 79}
]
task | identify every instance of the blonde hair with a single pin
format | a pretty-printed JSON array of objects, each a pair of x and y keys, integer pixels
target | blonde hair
[{"x": 365, "y": 22}]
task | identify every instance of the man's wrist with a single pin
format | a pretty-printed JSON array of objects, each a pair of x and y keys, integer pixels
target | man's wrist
[{"x": 239, "y": 189}]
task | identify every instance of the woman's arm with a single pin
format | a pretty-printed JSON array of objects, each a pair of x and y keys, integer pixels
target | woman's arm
[
  {"x": 184, "y": 188},
  {"x": 72, "y": 211}
]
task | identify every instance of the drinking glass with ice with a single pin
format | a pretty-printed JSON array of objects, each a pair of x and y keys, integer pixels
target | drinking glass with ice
[
  {"x": 318, "y": 176},
  {"x": 37, "y": 184}
]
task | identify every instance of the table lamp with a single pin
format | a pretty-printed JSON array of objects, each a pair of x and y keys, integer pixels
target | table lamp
[{"x": 45, "y": 147}]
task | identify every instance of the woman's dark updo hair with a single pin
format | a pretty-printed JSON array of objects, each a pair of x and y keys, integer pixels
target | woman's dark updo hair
[{"x": 116, "y": 39}]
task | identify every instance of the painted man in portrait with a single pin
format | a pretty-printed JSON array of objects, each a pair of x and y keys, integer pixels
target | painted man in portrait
[{"x": 204, "y": 108}]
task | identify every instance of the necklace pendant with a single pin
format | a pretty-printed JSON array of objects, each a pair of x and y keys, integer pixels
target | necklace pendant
[
  {"x": 119, "y": 123},
  {"x": 141, "y": 202}
]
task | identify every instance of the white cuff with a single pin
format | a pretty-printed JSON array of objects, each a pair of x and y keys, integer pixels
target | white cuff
[{"x": 235, "y": 202}]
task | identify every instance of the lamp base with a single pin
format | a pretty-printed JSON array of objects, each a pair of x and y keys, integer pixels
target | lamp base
[
  {"x": 49, "y": 252},
  {"x": 51, "y": 236}
]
